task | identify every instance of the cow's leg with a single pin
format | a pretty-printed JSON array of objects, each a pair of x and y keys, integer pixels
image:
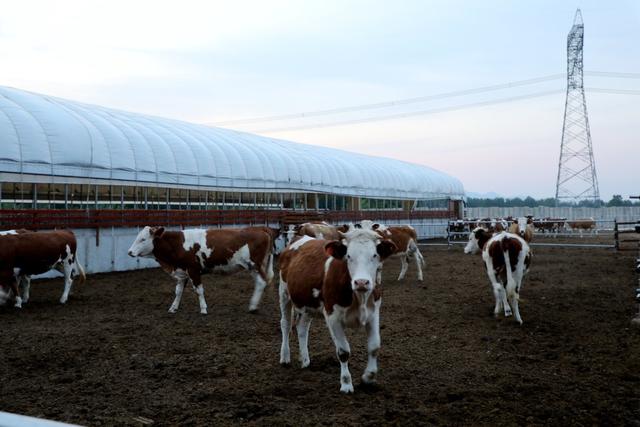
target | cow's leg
[
  {"x": 68, "y": 280},
  {"x": 516, "y": 308},
  {"x": 373, "y": 345},
  {"x": 260, "y": 284},
  {"x": 342, "y": 350},
  {"x": 14, "y": 289},
  {"x": 194, "y": 275},
  {"x": 515, "y": 298},
  {"x": 179, "y": 289},
  {"x": 302, "y": 326},
  {"x": 498, "y": 292},
  {"x": 285, "y": 322},
  {"x": 25, "y": 282},
  {"x": 405, "y": 266}
]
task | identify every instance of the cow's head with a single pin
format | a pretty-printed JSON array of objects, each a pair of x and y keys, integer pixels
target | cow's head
[
  {"x": 477, "y": 239},
  {"x": 291, "y": 232},
  {"x": 522, "y": 225},
  {"x": 279, "y": 242},
  {"x": 368, "y": 224},
  {"x": 364, "y": 251},
  {"x": 143, "y": 245}
]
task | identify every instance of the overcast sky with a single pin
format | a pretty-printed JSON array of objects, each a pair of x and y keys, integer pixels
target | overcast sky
[{"x": 210, "y": 62}]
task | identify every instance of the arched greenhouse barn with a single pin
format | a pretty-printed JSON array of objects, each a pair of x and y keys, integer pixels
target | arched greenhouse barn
[{"x": 105, "y": 172}]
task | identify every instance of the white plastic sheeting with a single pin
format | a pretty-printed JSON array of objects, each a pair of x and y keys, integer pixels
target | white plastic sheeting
[{"x": 45, "y": 135}]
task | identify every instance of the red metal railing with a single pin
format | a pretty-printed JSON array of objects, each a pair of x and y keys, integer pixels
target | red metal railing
[{"x": 39, "y": 219}]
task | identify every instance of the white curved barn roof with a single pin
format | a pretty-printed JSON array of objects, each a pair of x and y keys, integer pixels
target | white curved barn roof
[{"x": 44, "y": 135}]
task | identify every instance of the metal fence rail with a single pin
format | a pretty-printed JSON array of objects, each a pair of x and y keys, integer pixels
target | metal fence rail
[{"x": 612, "y": 230}]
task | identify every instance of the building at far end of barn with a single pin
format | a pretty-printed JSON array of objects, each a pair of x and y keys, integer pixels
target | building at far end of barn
[{"x": 104, "y": 173}]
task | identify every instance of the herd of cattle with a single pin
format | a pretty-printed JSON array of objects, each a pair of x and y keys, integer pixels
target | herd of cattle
[
  {"x": 460, "y": 228},
  {"x": 333, "y": 270}
]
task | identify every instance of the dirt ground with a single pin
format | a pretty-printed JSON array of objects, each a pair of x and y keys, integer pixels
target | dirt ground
[{"x": 114, "y": 354}]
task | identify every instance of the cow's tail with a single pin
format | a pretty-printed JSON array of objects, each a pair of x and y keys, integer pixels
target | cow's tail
[
  {"x": 83, "y": 276},
  {"x": 269, "y": 271},
  {"x": 511, "y": 283}
]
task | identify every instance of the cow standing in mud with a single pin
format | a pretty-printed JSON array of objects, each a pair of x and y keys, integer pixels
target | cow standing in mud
[
  {"x": 507, "y": 259},
  {"x": 189, "y": 254},
  {"x": 338, "y": 277},
  {"x": 24, "y": 254},
  {"x": 405, "y": 238}
]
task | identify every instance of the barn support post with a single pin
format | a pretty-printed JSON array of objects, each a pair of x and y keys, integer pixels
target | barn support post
[{"x": 616, "y": 234}]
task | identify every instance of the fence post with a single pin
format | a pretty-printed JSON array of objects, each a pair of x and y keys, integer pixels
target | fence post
[
  {"x": 448, "y": 236},
  {"x": 616, "y": 235}
]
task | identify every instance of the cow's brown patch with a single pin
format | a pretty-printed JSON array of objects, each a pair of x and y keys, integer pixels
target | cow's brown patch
[{"x": 302, "y": 269}]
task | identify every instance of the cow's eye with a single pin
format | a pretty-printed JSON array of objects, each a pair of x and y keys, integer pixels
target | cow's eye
[
  {"x": 375, "y": 255},
  {"x": 348, "y": 256}
]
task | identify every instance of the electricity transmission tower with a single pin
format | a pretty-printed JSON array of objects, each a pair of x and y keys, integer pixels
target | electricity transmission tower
[{"x": 577, "y": 178}]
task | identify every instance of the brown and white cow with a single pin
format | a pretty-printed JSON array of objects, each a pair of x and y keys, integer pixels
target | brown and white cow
[
  {"x": 189, "y": 254},
  {"x": 338, "y": 277},
  {"x": 581, "y": 225},
  {"x": 405, "y": 239},
  {"x": 523, "y": 227},
  {"x": 24, "y": 253},
  {"x": 507, "y": 258},
  {"x": 319, "y": 230}
]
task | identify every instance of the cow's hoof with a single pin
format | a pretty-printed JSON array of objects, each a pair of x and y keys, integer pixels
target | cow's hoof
[
  {"x": 305, "y": 363},
  {"x": 369, "y": 378},
  {"x": 346, "y": 388},
  {"x": 203, "y": 311},
  {"x": 253, "y": 310},
  {"x": 63, "y": 300},
  {"x": 172, "y": 310},
  {"x": 508, "y": 313},
  {"x": 285, "y": 360}
]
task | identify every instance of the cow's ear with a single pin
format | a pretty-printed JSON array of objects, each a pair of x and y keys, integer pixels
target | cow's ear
[
  {"x": 335, "y": 249},
  {"x": 157, "y": 231},
  {"x": 479, "y": 233},
  {"x": 375, "y": 226},
  {"x": 386, "y": 248},
  {"x": 357, "y": 225}
]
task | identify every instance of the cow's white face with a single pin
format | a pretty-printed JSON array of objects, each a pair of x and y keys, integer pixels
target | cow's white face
[
  {"x": 143, "y": 245},
  {"x": 279, "y": 244},
  {"x": 291, "y": 233},
  {"x": 522, "y": 225},
  {"x": 364, "y": 251},
  {"x": 473, "y": 245}
]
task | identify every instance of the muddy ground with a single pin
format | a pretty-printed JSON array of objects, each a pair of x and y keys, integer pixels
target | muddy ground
[{"x": 114, "y": 354}]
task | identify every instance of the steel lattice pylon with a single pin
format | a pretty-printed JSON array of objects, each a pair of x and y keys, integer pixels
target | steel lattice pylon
[{"x": 577, "y": 179}]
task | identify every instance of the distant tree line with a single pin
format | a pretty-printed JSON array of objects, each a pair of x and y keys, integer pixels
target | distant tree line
[{"x": 530, "y": 202}]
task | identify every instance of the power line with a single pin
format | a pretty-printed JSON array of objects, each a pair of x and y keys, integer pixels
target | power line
[
  {"x": 613, "y": 91},
  {"x": 410, "y": 114},
  {"x": 425, "y": 98},
  {"x": 391, "y": 103},
  {"x": 613, "y": 74},
  {"x": 440, "y": 110}
]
